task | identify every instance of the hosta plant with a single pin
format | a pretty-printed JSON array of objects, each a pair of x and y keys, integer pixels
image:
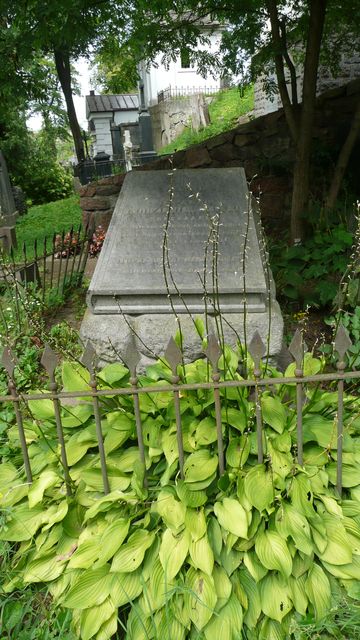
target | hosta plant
[{"x": 199, "y": 558}]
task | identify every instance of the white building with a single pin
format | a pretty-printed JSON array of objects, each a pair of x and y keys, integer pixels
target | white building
[
  {"x": 108, "y": 117},
  {"x": 180, "y": 78}
]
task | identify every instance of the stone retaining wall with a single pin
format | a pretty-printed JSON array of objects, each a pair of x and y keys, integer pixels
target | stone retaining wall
[
  {"x": 262, "y": 146},
  {"x": 98, "y": 199}
]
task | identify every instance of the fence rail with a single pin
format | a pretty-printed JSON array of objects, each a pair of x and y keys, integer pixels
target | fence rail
[
  {"x": 176, "y": 92},
  {"x": 174, "y": 358},
  {"x": 60, "y": 259}
]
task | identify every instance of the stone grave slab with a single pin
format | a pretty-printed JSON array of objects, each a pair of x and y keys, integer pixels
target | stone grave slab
[{"x": 153, "y": 263}]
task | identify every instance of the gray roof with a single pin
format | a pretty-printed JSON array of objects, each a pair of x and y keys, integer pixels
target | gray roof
[{"x": 123, "y": 102}]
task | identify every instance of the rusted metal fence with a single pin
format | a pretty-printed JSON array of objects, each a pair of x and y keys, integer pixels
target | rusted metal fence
[
  {"x": 174, "y": 357},
  {"x": 60, "y": 260}
]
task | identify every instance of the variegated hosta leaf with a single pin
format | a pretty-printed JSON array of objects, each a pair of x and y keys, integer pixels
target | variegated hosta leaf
[
  {"x": 90, "y": 589},
  {"x": 318, "y": 590},
  {"x": 259, "y": 487},
  {"x": 200, "y": 597},
  {"x": 227, "y": 624},
  {"x": 232, "y": 517},
  {"x": 171, "y": 510},
  {"x": 275, "y": 596},
  {"x": 195, "y": 522},
  {"x": 130, "y": 555},
  {"x": 173, "y": 551},
  {"x": 202, "y": 555},
  {"x": 273, "y": 552}
]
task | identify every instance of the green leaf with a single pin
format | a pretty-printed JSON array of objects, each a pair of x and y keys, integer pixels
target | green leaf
[
  {"x": 290, "y": 522},
  {"x": 298, "y": 594},
  {"x": 275, "y": 597},
  {"x": 234, "y": 417},
  {"x": 114, "y": 372},
  {"x": 259, "y": 487},
  {"x": 227, "y": 624},
  {"x": 201, "y": 555},
  {"x": 223, "y": 586},
  {"x": 171, "y": 510},
  {"x": 173, "y": 551},
  {"x": 238, "y": 452},
  {"x": 190, "y": 498},
  {"x": 273, "y": 552},
  {"x": 232, "y": 517},
  {"x": 75, "y": 377},
  {"x": 23, "y": 524},
  {"x": 254, "y": 566},
  {"x": 111, "y": 539},
  {"x": 200, "y": 597},
  {"x": 195, "y": 523},
  {"x": 273, "y": 412},
  {"x": 252, "y": 591},
  {"x": 125, "y": 587},
  {"x": 120, "y": 421},
  {"x": 42, "y": 409},
  {"x": 76, "y": 416},
  {"x": 90, "y": 589},
  {"x": 206, "y": 431},
  {"x": 86, "y": 554},
  {"x": 338, "y": 549},
  {"x": 130, "y": 555},
  {"x": 45, "y": 480},
  {"x": 200, "y": 466},
  {"x": 318, "y": 590},
  {"x": 92, "y": 619},
  {"x": 45, "y": 569}
]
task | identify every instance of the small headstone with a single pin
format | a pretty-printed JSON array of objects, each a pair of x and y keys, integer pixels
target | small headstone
[
  {"x": 175, "y": 239},
  {"x": 7, "y": 208}
]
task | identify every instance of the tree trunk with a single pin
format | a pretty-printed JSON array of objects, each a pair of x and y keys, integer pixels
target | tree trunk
[
  {"x": 62, "y": 62},
  {"x": 301, "y": 183},
  {"x": 343, "y": 160}
]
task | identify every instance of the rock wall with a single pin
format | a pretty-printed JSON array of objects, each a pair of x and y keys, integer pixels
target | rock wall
[
  {"x": 98, "y": 199},
  {"x": 171, "y": 117},
  {"x": 262, "y": 146}
]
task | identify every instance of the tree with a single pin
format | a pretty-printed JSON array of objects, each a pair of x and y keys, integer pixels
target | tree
[
  {"x": 115, "y": 68},
  {"x": 266, "y": 31}
]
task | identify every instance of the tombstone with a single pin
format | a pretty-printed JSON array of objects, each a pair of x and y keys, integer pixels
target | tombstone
[
  {"x": 152, "y": 265},
  {"x": 128, "y": 149},
  {"x": 8, "y": 212}
]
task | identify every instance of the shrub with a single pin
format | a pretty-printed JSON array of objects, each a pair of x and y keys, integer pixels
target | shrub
[{"x": 201, "y": 557}]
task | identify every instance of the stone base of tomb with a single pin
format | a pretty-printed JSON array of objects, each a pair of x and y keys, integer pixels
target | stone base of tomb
[{"x": 109, "y": 333}]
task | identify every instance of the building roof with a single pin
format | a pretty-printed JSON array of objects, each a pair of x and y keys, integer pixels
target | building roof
[{"x": 123, "y": 102}]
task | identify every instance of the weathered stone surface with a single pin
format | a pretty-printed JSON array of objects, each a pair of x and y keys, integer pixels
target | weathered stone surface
[
  {"x": 197, "y": 157},
  {"x": 130, "y": 278},
  {"x": 225, "y": 153},
  {"x": 243, "y": 326},
  {"x": 94, "y": 204},
  {"x": 107, "y": 189},
  {"x": 107, "y": 333},
  {"x": 242, "y": 139}
]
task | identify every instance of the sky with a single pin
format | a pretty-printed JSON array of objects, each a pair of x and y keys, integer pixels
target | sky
[{"x": 82, "y": 67}]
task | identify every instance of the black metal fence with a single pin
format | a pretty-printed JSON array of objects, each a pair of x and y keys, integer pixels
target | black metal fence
[{"x": 217, "y": 382}]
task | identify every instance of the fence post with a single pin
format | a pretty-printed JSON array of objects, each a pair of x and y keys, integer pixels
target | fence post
[
  {"x": 296, "y": 349},
  {"x": 342, "y": 344},
  {"x": 257, "y": 350},
  {"x": 213, "y": 353},
  {"x": 9, "y": 362},
  {"x": 173, "y": 356},
  {"x": 50, "y": 361},
  {"x": 88, "y": 359},
  {"x": 131, "y": 358}
]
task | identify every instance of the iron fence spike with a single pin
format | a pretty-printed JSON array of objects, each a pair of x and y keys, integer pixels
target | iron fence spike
[
  {"x": 173, "y": 355},
  {"x": 296, "y": 348},
  {"x": 9, "y": 361},
  {"x": 131, "y": 355},
  {"x": 88, "y": 358},
  {"x": 213, "y": 350},
  {"x": 257, "y": 348},
  {"x": 49, "y": 360},
  {"x": 342, "y": 342}
]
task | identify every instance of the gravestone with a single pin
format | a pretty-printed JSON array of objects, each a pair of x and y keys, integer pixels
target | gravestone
[
  {"x": 7, "y": 208},
  {"x": 180, "y": 244}
]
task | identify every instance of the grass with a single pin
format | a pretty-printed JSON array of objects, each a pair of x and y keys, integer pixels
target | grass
[
  {"x": 224, "y": 110},
  {"x": 46, "y": 219}
]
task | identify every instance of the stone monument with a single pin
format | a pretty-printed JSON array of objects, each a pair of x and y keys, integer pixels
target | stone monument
[
  {"x": 7, "y": 209},
  {"x": 181, "y": 244}
]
